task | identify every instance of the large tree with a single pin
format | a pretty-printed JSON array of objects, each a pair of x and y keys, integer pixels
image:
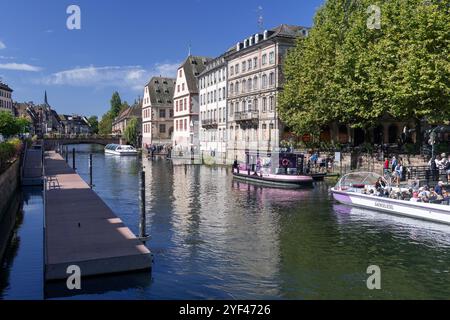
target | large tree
[
  {"x": 11, "y": 126},
  {"x": 93, "y": 122},
  {"x": 116, "y": 104},
  {"x": 350, "y": 73},
  {"x": 132, "y": 131}
]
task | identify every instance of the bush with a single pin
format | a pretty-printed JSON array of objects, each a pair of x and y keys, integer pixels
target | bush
[{"x": 9, "y": 150}]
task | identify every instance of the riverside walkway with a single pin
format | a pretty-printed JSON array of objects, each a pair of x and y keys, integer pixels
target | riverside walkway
[{"x": 81, "y": 230}]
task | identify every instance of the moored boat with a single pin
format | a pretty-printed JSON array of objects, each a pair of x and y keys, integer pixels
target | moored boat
[
  {"x": 275, "y": 180},
  {"x": 120, "y": 150},
  {"x": 358, "y": 189}
]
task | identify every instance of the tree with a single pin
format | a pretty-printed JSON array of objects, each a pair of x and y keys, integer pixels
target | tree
[
  {"x": 116, "y": 104},
  {"x": 93, "y": 123},
  {"x": 11, "y": 126},
  {"x": 105, "y": 124},
  {"x": 132, "y": 131},
  {"x": 352, "y": 74}
]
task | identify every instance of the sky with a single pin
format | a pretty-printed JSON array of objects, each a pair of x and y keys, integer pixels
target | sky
[{"x": 121, "y": 44}]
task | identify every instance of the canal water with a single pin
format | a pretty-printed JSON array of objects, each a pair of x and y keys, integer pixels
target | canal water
[{"x": 214, "y": 238}]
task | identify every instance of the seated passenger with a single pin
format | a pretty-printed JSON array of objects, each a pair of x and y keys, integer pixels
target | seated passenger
[{"x": 415, "y": 197}]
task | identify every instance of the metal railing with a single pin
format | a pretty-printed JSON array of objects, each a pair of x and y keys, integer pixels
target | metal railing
[{"x": 246, "y": 115}]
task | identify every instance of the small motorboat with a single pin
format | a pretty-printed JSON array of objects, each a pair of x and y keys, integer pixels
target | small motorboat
[
  {"x": 121, "y": 150},
  {"x": 358, "y": 189},
  {"x": 278, "y": 170}
]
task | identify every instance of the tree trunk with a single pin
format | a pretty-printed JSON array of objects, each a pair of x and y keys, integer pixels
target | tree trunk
[{"x": 419, "y": 137}]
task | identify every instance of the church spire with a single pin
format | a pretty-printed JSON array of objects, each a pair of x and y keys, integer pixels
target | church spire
[{"x": 45, "y": 98}]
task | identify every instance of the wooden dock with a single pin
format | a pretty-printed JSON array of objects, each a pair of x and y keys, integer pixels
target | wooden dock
[{"x": 81, "y": 230}]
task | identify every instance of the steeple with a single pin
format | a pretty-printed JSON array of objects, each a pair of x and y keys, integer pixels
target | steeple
[{"x": 45, "y": 98}]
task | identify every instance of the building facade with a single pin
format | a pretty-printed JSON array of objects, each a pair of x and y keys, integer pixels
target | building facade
[
  {"x": 213, "y": 109},
  {"x": 121, "y": 122},
  {"x": 157, "y": 112},
  {"x": 6, "y": 103},
  {"x": 186, "y": 105},
  {"x": 255, "y": 79},
  {"x": 75, "y": 124}
]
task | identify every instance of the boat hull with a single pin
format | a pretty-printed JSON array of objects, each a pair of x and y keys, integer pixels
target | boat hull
[
  {"x": 302, "y": 182},
  {"x": 125, "y": 153},
  {"x": 430, "y": 212}
]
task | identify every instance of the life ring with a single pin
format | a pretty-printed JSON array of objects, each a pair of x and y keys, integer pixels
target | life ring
[{"x": 285, "y": 162}]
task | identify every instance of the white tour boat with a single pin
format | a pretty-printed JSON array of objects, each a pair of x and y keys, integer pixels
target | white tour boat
[
  {"x": 358, "y": 189},
  {"x": 121, "y": 150}
]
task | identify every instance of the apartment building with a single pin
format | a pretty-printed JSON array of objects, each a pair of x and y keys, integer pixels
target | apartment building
[
  {"x": 6, "y": 103},
  {"x": 186, "y": 105},
  {"x": 255, "y": 78},
  {"x": 157, "y": 112},
  {"x": 213, "y": 109}
]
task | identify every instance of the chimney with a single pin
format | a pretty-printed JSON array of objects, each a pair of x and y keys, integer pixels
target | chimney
[
  {"x": 238, "y": 46},
  {"x": 245, "y": 43},
  {"x": 250, "y": 41},
  {"x": 266, "y": 34},
  {"x": 256, "y": 38}
]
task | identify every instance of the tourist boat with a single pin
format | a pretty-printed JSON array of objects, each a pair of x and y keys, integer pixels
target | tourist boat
[
  {"x": 275, "y": 180},
  {"x": 121, "y": 150},
  {"x": 354, "y": 189},
  {"x": 277, "y": 170}
]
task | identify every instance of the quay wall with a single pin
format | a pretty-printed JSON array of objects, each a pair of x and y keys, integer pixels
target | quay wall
[{"x": 9, "y": 181}]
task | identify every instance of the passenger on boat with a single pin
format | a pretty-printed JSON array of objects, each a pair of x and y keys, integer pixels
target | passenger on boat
[
  {"x": 381, "y": 183},
  {"x": 415, "y": 197}
]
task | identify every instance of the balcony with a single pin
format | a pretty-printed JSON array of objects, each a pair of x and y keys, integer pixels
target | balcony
[
  {"x": 247, "y": 119},
  {"x": 209, "y": 124}
]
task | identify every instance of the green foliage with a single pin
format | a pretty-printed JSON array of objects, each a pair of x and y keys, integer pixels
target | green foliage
[
  {"x": 348, "y": 73},
  {"x": 9, "y": 150},
  {"x": 116, "y": 104},
  {"x": 93, "y": 122},
  {"x": 105, "y": 124},
  {"x": 11, "y": 126},
  {"x": 131, "y": 133}
]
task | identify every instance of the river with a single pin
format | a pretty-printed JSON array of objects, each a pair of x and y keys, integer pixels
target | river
[{"x": 214, "y": 238}]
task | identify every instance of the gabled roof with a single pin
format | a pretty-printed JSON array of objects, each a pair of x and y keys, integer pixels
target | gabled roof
[
  {"x": 161, "y": 91},
  {"x": 193, "y": 66}
]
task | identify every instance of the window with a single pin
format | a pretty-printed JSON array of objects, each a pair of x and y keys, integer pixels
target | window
[
  {"x": 272, "y": 103},
  {"x": 182, "y": 87},
  {"x": 176, "y": 106},
  {"x": 255, "y": 63},
  {"x": 236, "y": 68},
  {"x": 220, "y": 94},
  {"x": 162, "y": 128},
  {"x": 243, "y": 106},
  {"x": 264, "y": 81},
  {"x": 249, "y": 105},
  {"x": 264, "y": 104},
  {"x": 178, "y": 88},
  {"x": 255, "y": 83},
  {"x": 255, "y": 104},
  {"x": 231, "y": 88},
  {"x": 249, "y": 85},
  {"x": 185, "y": 104},
  {"x": 185, "y": 125},
  {"x": 231, "y": 109},
  {"x": 224, "y": 93},
  {"x": 272, "y": 79},
  {"x": 264, "y": 59},
  {"x": 244, "y": 65},
  {"x": 181, "y": 73},
  {"x": 171, "y": 113},
  {"x": 236, "y": 90},
  {"x": 249, "y": 63},
  {"x": 244, "y": 83},
  {"x": 162, "y": 113},
  {"x": 272, "y": 57}
]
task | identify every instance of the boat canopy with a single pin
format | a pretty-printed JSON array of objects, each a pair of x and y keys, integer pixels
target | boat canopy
[
  {"x": 111, "y": 146},
  {"x": 357, "y": 180}
]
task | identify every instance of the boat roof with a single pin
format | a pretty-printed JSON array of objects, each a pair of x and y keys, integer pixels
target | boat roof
[{"x": 359, "y": 178}]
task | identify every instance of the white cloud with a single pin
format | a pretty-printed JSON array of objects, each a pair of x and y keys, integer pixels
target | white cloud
[
  {"x": 6, "y": 58},
  {"x": 19, "y": 67},
  {"x": 132, "y": 77},
  {"x": 2, "y": 45}
]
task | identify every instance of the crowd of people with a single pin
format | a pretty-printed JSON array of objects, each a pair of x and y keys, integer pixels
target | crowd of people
[{"x": 424, "y": 194}]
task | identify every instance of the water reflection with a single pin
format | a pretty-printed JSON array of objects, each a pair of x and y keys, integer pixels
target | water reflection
[{"x": 214, "y": 238}]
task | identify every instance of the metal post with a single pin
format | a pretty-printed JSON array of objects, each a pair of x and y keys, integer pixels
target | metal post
[
  {"x": 67, "y": 154},
  {"x": 73, "y": 159},
  {"x": 142, "y": 224},
  {"x": 90, "y": 171}
]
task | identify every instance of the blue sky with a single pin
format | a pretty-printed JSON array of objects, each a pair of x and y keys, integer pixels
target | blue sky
[{"x": 121, "y": 44}]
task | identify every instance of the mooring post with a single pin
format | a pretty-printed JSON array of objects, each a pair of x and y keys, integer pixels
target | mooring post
[
  {"x": 67, "y": 153},
  {"x": 90, "y": 171},
  {"x": 73, "y": 159},
  {"x": 143, "y": 222}
]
